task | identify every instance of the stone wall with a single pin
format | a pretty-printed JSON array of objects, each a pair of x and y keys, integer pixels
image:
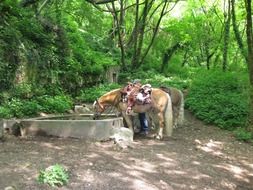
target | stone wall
[{"x": 112, "y": 74}]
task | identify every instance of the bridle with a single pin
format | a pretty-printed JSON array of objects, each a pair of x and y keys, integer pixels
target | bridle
[
  {"x": 97, "y": 114},
  {"x": 100, "y": 106}
]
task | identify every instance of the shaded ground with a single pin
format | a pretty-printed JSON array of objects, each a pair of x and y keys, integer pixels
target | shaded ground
[{"x": 197, "y": 157}]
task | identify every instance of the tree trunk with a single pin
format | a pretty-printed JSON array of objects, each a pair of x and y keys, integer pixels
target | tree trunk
[
  {"x": 207, "y": 55},
  {"x": 208, "y": 59},
  {"x": 135, "y": 35},
  {"x": 168, "y": 54},
  {"x": 227, "y": 18},
  {"x": 250, "y": 57},
  {"x": 140, "y": 31},
  {"x": 154, "y": 34},
  {"x": 237, "y": 32},
  {"x": 185, "y": 58},
  {"x": 119, "y": 29}
]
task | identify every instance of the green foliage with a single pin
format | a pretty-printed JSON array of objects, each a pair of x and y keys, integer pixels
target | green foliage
[
  {"x": 219, "y": 98},
  {"x": 19, "y": 108},
  {"x": 155, "y": 79},
  {"x": 23, "y": 91},
  {"x": 242, "y": 135},
  {"x": 175, "y": 69},
  {"x": 5, "y": 112},
  {"x": 28, "y": 91},
  {"x": 54, "y": 175},
  {"x": 91, "y": 94},
  {"x": 30, "y": 108},
  {"x": 4, "y": 97},
  {"x": 55, "y": 104},
  {"x": 15, "y": 105}
]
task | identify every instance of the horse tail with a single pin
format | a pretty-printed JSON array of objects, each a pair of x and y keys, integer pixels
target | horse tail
[
  {"x": 168, "y": 117},
  {"x": 181, "y": 110}
]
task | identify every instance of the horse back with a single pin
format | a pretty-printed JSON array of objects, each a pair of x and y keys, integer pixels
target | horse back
[
  {"x": 159, "y": 97},
  {"x": 175, "y": 94}
]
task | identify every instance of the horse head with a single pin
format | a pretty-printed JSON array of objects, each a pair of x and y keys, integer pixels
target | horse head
[{"x": 98, "y": 109}]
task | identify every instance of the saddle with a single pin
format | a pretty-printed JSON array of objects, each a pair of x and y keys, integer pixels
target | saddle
[{"x": 136, "y": 94}]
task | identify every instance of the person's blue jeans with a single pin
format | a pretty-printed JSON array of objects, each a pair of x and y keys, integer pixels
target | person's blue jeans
[{"x": 143, "y": 122}]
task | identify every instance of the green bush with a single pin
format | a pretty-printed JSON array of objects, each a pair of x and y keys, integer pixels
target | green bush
[
  {"x": 19, "y": 108},
  {"x": 4, "y": 97},
  {"x": 176, "y": 69},
  {"x": 173, "y": 81},
  {"x": 91, "y": 94},
  {"x": 155, "y": 79},
  {"x": 22, "y": 91},
  {"x": 55, "y": 104},
  {"x": 242, "y": 134},
  {"x": 15, "y": 105},
  {"x": 219, "y": 98},
  {"x": 31, "y": 108},
  {"x": 54, "y": 175},
  {"x": 5, "y": 112}
]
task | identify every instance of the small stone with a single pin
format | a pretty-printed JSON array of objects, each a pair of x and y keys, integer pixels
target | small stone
[{"x": 9, "y": 188}]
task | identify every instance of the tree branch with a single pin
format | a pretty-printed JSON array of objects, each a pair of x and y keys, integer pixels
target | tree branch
[
  {"x": 25, "y": 3},
  {"x": 155, "y": 32},
  {"x": 99, "y": 2},
  {"x": 97, "y": 6},
  {"x": 41, "y": 7}
]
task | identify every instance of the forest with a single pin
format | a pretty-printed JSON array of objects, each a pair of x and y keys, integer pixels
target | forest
[{"x": 55, "y": 53}]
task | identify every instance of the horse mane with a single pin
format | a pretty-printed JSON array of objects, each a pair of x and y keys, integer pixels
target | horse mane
[
  {"x": 165, "y": 89},
  {"x": 112, "y": 96}
]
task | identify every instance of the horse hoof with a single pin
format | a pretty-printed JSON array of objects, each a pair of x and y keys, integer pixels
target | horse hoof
[{"x": 158, "y": 137}]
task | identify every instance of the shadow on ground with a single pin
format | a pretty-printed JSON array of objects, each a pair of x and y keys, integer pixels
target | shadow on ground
[{"x": 197, "y": 157}]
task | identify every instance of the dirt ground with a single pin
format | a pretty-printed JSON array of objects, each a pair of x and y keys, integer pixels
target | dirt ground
[{"x": 197, "y": 157}]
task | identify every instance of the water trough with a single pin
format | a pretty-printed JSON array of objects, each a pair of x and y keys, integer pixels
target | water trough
[{"x": 75, "y": 125}]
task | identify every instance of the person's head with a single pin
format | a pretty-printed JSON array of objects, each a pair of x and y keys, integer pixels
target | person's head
[
  {"x": 146, "y": 86},
  {"x": 137, "y": 82}
]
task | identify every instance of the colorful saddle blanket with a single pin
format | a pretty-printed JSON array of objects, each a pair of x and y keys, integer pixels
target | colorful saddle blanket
[{"x": 136, "y": 94}]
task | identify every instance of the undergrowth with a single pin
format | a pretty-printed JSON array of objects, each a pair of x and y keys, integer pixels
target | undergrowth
[
  {"x": 219, "y": 98},
  {"x": 54, "y": 175}
]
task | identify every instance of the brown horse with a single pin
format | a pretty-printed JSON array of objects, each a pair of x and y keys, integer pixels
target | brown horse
[
  {"x": 177, "y": 99},
  {"x": 160, "y": 107}
]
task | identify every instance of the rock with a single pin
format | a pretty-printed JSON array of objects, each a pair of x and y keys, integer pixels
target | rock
[
  {"x": 82, "y": 109},
  {"x": 123, "y": 137},
  {"x": 11, "y": 127},
  {"x": 9, "y": 188}
]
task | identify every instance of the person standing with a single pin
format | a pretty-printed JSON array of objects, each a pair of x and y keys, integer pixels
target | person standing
[
  {"x": 142, "y": 116},
  {"x": 144, "y": 124}
]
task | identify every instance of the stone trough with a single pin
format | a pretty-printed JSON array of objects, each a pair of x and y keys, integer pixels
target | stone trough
[{"x": 75, "y": 125}]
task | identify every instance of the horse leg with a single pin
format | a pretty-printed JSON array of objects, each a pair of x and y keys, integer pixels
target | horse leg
[
  {"x": 175, "y": 116},
  {"x": 159, "y": 135},
  {"x": 128, "y": 121},
  {"x": 151, "y": 121}
]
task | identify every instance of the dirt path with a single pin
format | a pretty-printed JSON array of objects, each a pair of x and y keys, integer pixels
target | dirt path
[{"x": 197, "y": 157}]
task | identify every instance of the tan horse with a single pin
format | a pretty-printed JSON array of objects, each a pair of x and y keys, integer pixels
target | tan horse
[
  {"x": 177, "y": 99},
  {"x": 160, "y": 106}
]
